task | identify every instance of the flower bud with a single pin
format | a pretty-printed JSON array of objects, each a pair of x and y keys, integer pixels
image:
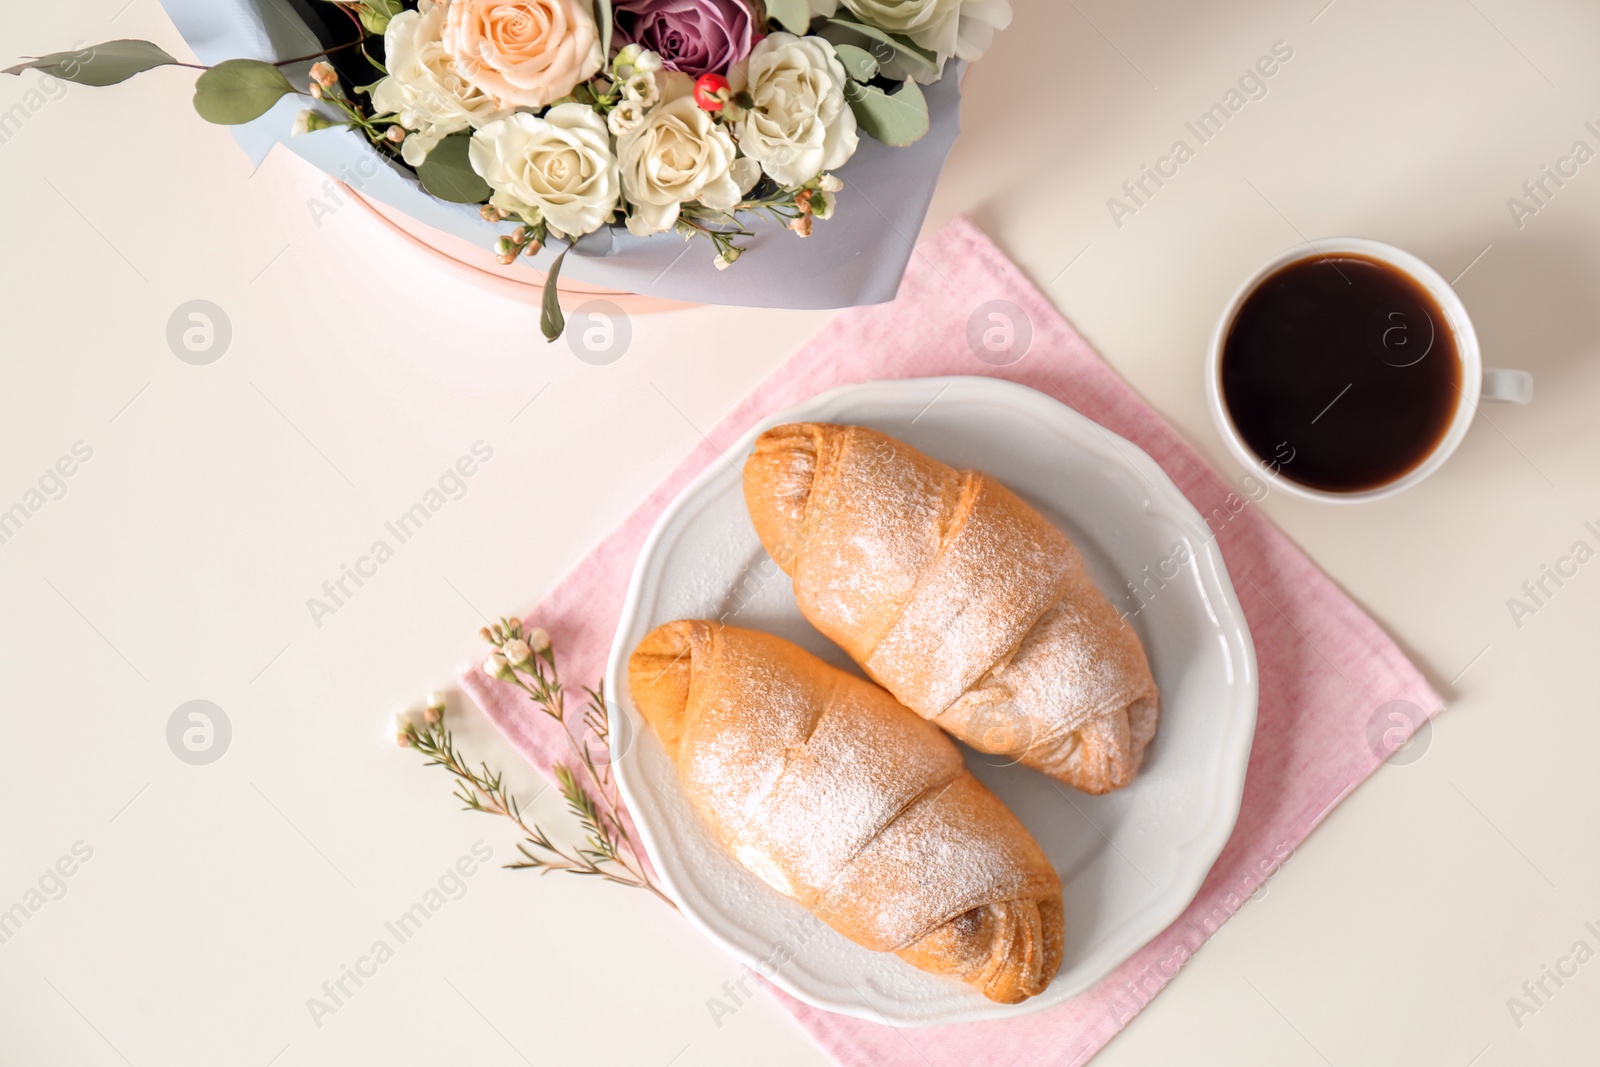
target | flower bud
[
  {"x": 829, "y": 184},
  {"x": 396, "y": 134},
  {"x": 647, "y": 63},
  {"x": 503, "y": 247},
  {"x": 488, "y": 214},
  {"x": 520, "y": 235},
  {"x": 517, "y": 652},
  {"x": 728, "y": 258},
  {"x": 400, "y": 727},
  {"x": 323, "y": 74},
  {"x": 484, "y": 633},
  {"x": 629, "y": 56},
  {"x": 532, "y": 248},
  {"x": 801, "y": 225},
  {"x": 538, "y": 639},
  {"x": 310, "y": 121},
  {"x": 496, "y": 666},
  {"x": 315, "y": 90}
]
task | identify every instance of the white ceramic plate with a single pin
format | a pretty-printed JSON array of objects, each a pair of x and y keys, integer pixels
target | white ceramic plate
[{"x": 1129, "y": 862}]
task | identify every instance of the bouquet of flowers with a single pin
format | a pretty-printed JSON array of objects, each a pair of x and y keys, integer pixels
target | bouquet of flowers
[{"x": 564, "y": 117}]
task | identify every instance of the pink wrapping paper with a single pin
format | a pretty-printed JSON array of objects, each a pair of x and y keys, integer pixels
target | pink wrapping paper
[{"x": 1326, "y": 669}]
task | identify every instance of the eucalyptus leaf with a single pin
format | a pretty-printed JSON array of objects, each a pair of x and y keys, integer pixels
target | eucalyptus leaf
[
  {"x": 447, "y": 172},
  {"x": 239, "y": 90},
  {"x": 859, "y": 63},
  {"x": 374, "y": 21},
  {"x": 897, "y": 119},
  {"x": 552, "y": 323},
  {"x": 101, "y": 64},
  {"x": 898, "y": 59},
  {"x": 603, "y": 18},
  {"x": 792, "y": 15}
]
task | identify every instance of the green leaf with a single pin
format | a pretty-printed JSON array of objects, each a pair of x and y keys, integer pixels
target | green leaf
[
  {"x": 859, "y": 63},
  {"x": 793, "y": 15},
  {"x": 551, "y": 321},
  {"x": 239, "y": 90},
  {"x": 897, "y": 57},
  {"x": 375, "y": 14},
  {"x": 603, "y": 19},
  {"x": 101, "y": 64},
  {"x": 447, "y": 172},
  {"x": 897, "y": 119}
]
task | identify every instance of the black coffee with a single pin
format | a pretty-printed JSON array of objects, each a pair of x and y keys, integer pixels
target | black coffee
[{"x": 1342, "y": 372}]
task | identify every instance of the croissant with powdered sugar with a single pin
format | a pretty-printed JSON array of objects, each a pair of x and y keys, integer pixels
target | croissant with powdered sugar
[
  {"x": 957, "y": 597},
  {"x": 834, "y": 794}
]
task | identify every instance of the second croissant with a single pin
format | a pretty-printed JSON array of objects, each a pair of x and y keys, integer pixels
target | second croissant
[
  {"x": 838, "y": 797},
  {"x": 957, "y": 597}
]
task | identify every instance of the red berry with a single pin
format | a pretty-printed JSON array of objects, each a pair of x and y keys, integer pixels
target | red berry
[{"x": 711, "y": 92}]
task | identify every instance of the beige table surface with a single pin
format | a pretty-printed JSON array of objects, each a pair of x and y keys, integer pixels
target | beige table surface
[{"x": 215, "y": 900}]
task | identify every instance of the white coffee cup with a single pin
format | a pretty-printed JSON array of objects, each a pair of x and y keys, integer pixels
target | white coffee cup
[{"x": 1478, "y": 382}]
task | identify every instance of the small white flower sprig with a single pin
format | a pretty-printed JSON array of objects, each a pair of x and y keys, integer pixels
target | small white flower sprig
[{"x": 526, "y": 659}]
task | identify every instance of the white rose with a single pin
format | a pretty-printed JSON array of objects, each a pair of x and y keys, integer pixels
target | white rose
[
  {"x": 799, "y": 123},
  {"x": 678, "y": 155},
  {"x": 558, "y": 167},
  {"x": 423, "y": 88},
  {"x": 960, "y": 28}
]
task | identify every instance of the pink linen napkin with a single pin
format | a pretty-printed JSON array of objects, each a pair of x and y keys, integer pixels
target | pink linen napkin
[{"x": 1336, "y": 694}]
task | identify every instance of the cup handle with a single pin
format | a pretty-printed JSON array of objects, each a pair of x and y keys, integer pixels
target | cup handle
[{"x": 1510, "y": 386}]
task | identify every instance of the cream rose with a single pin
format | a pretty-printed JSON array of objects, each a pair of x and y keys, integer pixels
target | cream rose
[
  {"x": 558, "y": 167},
  {"x": 524, "y": 53},
  {"x": 960, "y": 28},
  {"x": 423, "y": 88},
  {"x": 798, "y": 123},
  {"x": 679, "y": 155}
]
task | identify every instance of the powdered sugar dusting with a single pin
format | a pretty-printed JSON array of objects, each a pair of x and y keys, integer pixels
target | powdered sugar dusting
[
  {"x": 835, "y": 794},
  {"x": 968, "y": 605}
]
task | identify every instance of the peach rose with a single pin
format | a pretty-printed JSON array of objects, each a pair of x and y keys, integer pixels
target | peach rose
[{"x": 524, "y": 53}]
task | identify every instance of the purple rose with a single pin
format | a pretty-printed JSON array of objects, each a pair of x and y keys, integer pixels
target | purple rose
[{"x": 693, "y": 36}]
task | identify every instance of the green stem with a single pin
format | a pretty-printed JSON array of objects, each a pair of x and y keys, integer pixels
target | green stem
[{"x": 554, "y": 704}]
